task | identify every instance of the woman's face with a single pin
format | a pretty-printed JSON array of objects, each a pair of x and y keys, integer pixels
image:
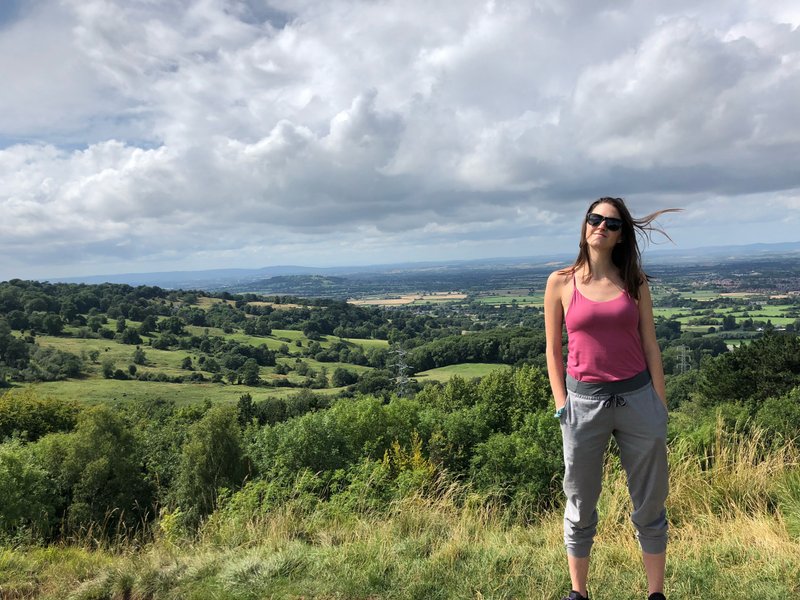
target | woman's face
[{"x": 600, "y": 236}]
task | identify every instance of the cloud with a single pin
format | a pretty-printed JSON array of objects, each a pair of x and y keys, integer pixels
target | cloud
[{"x": 145, "y": 135}]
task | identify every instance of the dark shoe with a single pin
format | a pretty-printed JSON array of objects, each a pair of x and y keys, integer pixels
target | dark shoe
[
  {"x": 656, "y": 596},
  {"x": 573, "y": 595}
]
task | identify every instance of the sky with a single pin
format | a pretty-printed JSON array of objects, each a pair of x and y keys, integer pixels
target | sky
[{"x": 139, "y": 136}]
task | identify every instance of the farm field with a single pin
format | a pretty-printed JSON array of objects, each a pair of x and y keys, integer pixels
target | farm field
[
  {"x": 466, "y": 370},
  {"x": 96, "y": 390},
  {"x": 775, "y": 313},
  {"x": 533, "y": 300},
  {"x": 405, "y": 299},
  {"x": 166, "y": 361}
]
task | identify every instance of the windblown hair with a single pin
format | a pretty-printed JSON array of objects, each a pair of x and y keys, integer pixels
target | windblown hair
[{"x": 626, "y": 255}]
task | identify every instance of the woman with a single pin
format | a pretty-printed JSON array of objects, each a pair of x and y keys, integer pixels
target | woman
[{"x": 614, "y": 385}]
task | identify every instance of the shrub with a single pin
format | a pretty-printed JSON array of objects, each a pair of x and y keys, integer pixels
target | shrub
[
  {"x": 780, "y": 417},
  {"x": 49, "y": 364},
  {"x": 99, "y": 472},
  {"x": 139, "y": 357},
  {"x": 130, "y": 335},
  {"x": 27, "y": 415},
  {"x": 767, "y": 367},
  {"x": 212, "y": 458},
  {"x": 523, "y": 466},
  {"x": 342, "y": 377},
  {"x": 26, "y": 500}
]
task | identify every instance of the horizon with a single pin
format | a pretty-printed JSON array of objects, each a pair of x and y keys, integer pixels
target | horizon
[
  {"x": 410, "y": 264},
  {"x": 144, "y": 137}
]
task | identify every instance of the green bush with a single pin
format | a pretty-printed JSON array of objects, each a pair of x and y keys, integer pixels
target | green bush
[
  {"x": 212, "y": 458},
  {"x": 99, "y": 472},
  {"x": 524, "y": 466},
  {"x": 780, "y": 417},
  {"x": 30, "y": 416},
  {"x": 765, "y": 368},
  {"x": 26, "y": 498},
  {"x": 454, "y": 437},
  {"x": 507, "y": 396}
]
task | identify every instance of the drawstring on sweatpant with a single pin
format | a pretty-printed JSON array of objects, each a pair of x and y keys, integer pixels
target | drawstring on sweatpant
[{"x": 614, "y": 400}]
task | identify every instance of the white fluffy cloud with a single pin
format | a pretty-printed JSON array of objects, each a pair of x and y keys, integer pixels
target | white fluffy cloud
[{"x": 149, "y": 136}]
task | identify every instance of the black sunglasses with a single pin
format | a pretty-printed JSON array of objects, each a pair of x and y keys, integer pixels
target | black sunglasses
[{"x": 612, "y": 224}]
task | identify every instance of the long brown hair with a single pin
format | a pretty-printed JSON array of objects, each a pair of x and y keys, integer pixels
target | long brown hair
[{"x": 626, "y": 255}]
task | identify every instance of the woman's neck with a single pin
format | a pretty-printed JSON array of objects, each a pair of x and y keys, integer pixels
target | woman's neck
[{"x": 600, "y": 264}]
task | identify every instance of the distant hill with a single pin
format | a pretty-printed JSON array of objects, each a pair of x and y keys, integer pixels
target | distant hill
[{"x": 296, "y": 279}]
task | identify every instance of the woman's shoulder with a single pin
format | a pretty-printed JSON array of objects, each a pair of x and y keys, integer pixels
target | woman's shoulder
[{"x": 557, "y": 279}]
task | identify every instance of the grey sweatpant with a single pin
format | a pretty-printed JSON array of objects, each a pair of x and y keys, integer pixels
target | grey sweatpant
[{"x": 637, "y": 419}]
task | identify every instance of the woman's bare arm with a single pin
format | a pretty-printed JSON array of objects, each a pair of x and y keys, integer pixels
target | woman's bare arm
[
  {"x": 553, "y": 324},
  {"x": 652, "y": 353}
]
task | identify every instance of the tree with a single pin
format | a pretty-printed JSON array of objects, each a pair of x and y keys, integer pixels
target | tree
[
  {"x": 173, "y": 325},
  {"x": 342, "y": 377},
  {"x": 130, "y": 335},
  {"x": 53, "y": 324},
  {"x": 728, "y": 323},
  {"x": 100, "y": 471},
  {"x": 27, "y": 415},
  {"x": 25, "y": 497},
  {"x": 14, "y": 352},
  {"x": 107, "y": 368},
  {"x": 321, "y": 379},
  {"x": 212, "y": 458},
  {"x": 17, "y": 320},
  {"x": 767, "y": 367},
  {"x": 139, "y": 357},
  {"x": 781, "y": 416},
  {"x": 246, "y": 409},
  {"x": 249, "y": 372},
  {"x": 148, "y": 325},
  {"x": 506, "y": 396},
  {"x": 68, "y": 310},
  {"x": 95, "y": 323},
  {"x": 186, "y": 363},
  {"x": 312, "y": 330}
]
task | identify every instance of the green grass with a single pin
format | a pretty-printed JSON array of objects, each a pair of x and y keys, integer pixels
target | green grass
[
  {"x": 368, "y": 343},
  {"x": 670, "y": 313},
  {"x": 274, "y": 341},
  {"x": 727, "y": 541},
  {"x": 466, "y": 370},
  {"x": 164, "y": 361},
  {"x": 331, "y": 366},
  {"x": 702, "y": 295},
  {"x": 95, "y": 390}
]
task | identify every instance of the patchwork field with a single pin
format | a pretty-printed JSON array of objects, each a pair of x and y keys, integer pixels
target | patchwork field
[{"x": 409, "y": 299}]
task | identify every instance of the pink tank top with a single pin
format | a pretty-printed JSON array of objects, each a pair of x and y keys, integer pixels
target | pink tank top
[{"x": 604, "y": 341}]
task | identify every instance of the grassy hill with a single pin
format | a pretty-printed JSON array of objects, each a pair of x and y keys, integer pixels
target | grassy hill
[{"x": 735, "y": 534}]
